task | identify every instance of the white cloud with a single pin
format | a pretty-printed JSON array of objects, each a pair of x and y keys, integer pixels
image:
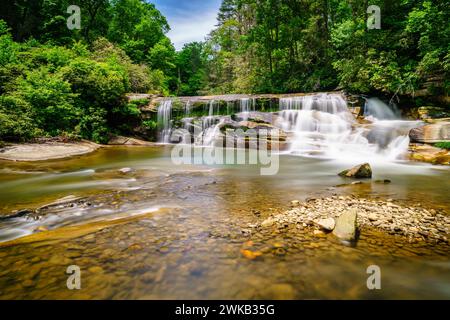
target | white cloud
[{"x": 191, "y": 27}]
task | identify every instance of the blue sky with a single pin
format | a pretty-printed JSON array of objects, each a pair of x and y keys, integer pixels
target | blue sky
[{"x": 189, "y": 20}]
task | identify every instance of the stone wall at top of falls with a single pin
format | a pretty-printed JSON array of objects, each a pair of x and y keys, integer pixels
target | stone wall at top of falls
[
  {"x": 198, "y": 106},
  {"x": 173, "y": 112}
]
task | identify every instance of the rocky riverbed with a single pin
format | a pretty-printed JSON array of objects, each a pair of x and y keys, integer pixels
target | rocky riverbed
[
  {"x": 414, "y": 222},
  {"x": 146, "y": 229}
]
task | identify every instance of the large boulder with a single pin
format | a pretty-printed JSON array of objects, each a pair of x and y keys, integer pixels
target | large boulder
[
  {"x": 261, "y": 134},
  {"x": 431, "y": 133},
  {"x": 346, "y": 225},
  {"x": 427, "y": 153},
  {"x": 360, "y": 171}
]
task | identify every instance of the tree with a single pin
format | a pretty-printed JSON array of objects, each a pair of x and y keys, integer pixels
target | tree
[{"x": 191, "y": 64}]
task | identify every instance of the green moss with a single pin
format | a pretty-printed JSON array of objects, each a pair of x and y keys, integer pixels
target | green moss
[
  {"x": 443, "y": 145},
  {"x": 140, "y": 102},
  {"x": 150, "y": 124}
]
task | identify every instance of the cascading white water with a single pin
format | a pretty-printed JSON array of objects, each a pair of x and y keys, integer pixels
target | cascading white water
[
  {"x": 323, "y": 126},
  {"x": 187, "y": 108},
  {"x": 377, "y": 109},
  {"x": 164, "y": 121},
  {"x": 318, "y": 125},
  {"x": 246, "y": 105},
  {"x": 331, "y": 103},
  {"x": 211, "y": 119}
]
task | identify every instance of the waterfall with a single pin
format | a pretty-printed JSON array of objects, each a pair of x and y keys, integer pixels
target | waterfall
[
  {"x": 246, "y": 105},
  {"x": 379, "y": 110},
  {"x": 322, "y": 126},
  {"x": 187, "y": 109},
  {"x": 318, "y": 125},
  {"x": 331, "y": 103},
  {"x": 211, "y": 108},
  {"x": 164, "y": 121},
  {"x": 210, "y": 119}
]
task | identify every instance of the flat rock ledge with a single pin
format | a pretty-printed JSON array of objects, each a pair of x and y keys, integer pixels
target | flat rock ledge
[
  {"x": 128, "y": 141},
  {"x": 46, "y": 151},
  {"x": 413, "y": 222}
]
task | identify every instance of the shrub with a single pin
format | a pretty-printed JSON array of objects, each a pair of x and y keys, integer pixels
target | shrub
[
  {"x": 52, "y": 100},
  {"x": 16, "y": 121},
  {"x": 93, "y": 125},
  {"x": 443, "y": 145}
]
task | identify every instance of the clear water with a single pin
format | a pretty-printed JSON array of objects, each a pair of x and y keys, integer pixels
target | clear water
[{"x": 166, "y": 231}]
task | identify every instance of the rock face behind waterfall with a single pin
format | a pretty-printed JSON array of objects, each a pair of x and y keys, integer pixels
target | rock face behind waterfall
[
  {"x": 360, "y": 171},
  {"x": 431, "y": 133}
]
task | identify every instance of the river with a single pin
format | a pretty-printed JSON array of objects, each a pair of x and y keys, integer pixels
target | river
[{"x": 165, "y": 231}]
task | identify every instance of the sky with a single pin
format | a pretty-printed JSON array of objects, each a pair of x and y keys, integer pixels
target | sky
[{"x": 189, "y": 20}]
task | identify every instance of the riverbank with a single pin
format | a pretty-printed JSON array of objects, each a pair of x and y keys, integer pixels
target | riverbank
[
  {"x": 56, "y": 148},
  {"x": 48, "y": 150}
]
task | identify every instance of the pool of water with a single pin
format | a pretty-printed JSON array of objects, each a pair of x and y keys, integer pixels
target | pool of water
[{"x": 168, "y": 231}]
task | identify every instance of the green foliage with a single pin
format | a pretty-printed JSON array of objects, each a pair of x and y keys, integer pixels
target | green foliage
[
  {"x": 443, "y": 145},
  {"x": 16, "y": 120},
  {"x": 191, "y": 64},
  {"x": 93, "y": 125},
  {"x": 287, "y": 46},
  {"x": 51, "y": 98},
  {"x": 150, "y": 124},
  {"x": 71, "y": 91},
  {"x": 96, "y": 83},
  {"x": 56, "y": 81}
]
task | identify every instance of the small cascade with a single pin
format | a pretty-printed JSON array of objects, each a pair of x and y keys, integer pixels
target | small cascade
[
  {"x": 246, "y": 105},
  {"x": 211, "y": 108},
  {"x": 164, "y": 121},
  {"x": 377, "y": 109},
  {"x": 322, "y": 126},
  {"x": 331, "y": 103},
  {"x": 187, "y": 109},
  {"x": 211, "y": 119}
]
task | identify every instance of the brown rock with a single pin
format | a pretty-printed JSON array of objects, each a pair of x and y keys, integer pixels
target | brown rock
[
  {"x": 360, "y": 171},
  {"x": 431, "y": 133}
]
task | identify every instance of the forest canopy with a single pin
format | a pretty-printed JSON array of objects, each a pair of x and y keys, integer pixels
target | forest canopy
[
  {"x": 308, "y": 45},
  {"x": 57, "y": 81}
]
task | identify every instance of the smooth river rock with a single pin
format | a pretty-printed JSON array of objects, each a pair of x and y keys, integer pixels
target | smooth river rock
[
  {"x": 428, "y": 153},
  {"x": 360, "y": 171},
  {"x": 346, "y": 225},
  {"x": 431, "y": 133},
  {"x": 326, "y": 224}
]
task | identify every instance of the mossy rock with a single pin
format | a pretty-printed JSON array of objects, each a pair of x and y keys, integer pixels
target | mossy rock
[
  {"x": 359, "y": 172},
  {"x": 432, "y": 112}
]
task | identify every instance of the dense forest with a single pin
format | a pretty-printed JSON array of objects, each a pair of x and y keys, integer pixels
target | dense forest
[
  {"x": 57, "y": 81},
  {"x": 301, "y": 46}
]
